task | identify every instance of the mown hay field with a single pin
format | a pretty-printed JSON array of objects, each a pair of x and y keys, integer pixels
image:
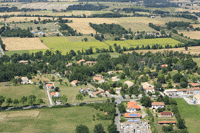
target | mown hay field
[
  {"x": 191, "y": 34},
  {"x": 135, "y": 43},
  {"x": 64, "y": 45},
  {"x": 59, "y": 120},
  {"x": 16, "y": 43},
  {"x": 82, "y": 24},
  {"x": 135, "y": 23},
  {"x": 23, "y": 19},
  {"x": 14, "y": 114},
  {"x": 67, "y": 13},
  {"x": 17, "y": 92}
]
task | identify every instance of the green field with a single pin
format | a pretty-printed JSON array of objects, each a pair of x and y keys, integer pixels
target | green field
[
  {"x": 65, "y": 44},
  {"x": 191, "y": 114},
  {"x": 54, "y": 120},
  {"x": 134, "y": 43},
  {"x": 17, "y": 92}
]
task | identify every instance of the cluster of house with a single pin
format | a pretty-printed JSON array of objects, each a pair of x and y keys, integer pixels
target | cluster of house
[
  {"x": 132, "y": 114},
  {"x": 50, "y": 86},
  {"x": 148, "y": 87},
  {"x": 194, "y": 90}
]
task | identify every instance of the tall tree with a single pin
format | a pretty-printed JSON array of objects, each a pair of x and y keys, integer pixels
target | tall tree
[
  {"x": 79, "y": 97},
  {"x": 31, "y": 99},
  {"x": 23, "y": 100},
  {"x": 112, "y": 128},
  {"x": 2, "y": 100},
  {"x": 99, "y": 128},
  {"x": 8, "y": 101},
  {"x": 63, "y": 99},
  {"x": 16, "y": 102}
]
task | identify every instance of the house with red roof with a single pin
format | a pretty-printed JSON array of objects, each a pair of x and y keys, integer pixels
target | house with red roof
[
  {"x": 164, "y": 65},
  {"x": 98, "y": 92},
  {"x": 132, "y": 106},
  {"x": 166, "y": 114},
  {"x": 50, "y": 85},
  {"x": 55, "y": 94},
  {"x": 133, "y": 116},
  {"x": 194, "y": 84},
  {"x": 156, "y": 105}
]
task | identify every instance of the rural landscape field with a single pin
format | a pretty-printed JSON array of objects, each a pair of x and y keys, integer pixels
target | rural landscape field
[{"x": 95, "y": 66}]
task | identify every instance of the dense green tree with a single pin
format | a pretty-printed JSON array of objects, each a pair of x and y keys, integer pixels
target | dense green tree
[
  {"x": 2, "y": 100},
  {"x": 15, "y": 102},
  {"x": 122, "y": 108},
  {"x": 79, "y": 97},
  {"x": 99, "y": 128},
  {"x": 112, "y": 128},
  {"x": 23, "y": 100},
  {"x": 82, "y": 129}
]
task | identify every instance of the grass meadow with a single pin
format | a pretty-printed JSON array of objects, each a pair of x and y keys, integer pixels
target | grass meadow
[
  {"x": 17, "y": 92},
  {"x": 191, "y": 114},
  {"x": 60, "y": 120}
]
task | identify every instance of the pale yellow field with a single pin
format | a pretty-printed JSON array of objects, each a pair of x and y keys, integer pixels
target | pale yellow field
[
  {"x": 195, "y": 25},
  {"x": 191, "y": 50},
  {"x": 22, "y": 19},
  {"x": 15, "y": 114},
  {"x": 82, "y": 24},
  {"x": 16, "y": 43},
  {"x": 10, "y": 13},
  {"x": 191, "y": 34},
  {"x": 135, "y": 23}
]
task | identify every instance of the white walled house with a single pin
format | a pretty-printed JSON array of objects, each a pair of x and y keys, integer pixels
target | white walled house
[{"x": 156, "y": 105}]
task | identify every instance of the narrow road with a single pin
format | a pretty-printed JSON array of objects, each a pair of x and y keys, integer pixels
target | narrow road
[
  {"x": 49, "y": 97},
  {"x": 1, "y": 51},
  {"x": 117, "y": 120}
]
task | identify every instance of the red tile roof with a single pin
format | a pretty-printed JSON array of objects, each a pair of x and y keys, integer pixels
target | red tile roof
[
  {"x": 97, "y": 92},
  {"x": 53, "y": 93},
  {"x": 165, "y": 113},
  {"x": 134, "y": 115},
  {"x": 194, "y": 84},
  {"x": 133, "y": 104},
  {"x": 164, "y": 65},
  {"x": 49, "y": 85},
  {"x": 149, "y": 88},
  {"x": 167, "y": 122},
  {"x": 158, "y": 103}
]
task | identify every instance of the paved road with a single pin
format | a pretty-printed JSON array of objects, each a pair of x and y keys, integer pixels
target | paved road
[
  {"x": 117, "y": 120},
  {"x": 49, "y": 97}
]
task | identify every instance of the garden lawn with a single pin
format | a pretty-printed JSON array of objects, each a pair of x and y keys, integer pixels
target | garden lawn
[
  {"x": 190, "y": 113},
  {"x": 54, "y": 120},
  {"x": 17, "y": 92}
]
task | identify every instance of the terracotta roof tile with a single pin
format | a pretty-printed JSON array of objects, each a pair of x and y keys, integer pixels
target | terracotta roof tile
[
  {"x": 167, "y": 122},
  {"x": 133, "y": 105},
  {"x": 158, "y": 103},
  {"x": 132, "y": 115},
  {"x": 165, "y": 113}
]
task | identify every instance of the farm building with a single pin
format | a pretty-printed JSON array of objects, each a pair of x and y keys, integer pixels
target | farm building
[
  {"x": 194, "y": 84},
  {"x": 149, "y": 89},
  {"x": 98, "y": 92},
  {"x": 156, "y": 105},
  {"x": 50, "y": 85},
  {"x": 23, "y": 61},
  {"x": 132, "y": 106},
  {"x": 166, "y": 114},
  {"x": 166, "y": 122}
]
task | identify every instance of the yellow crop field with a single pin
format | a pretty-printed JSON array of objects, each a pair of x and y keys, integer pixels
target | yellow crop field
[
  {"x": 16, "y": 43},
  {"x": 10, "y": 13},
  {"x": 64, "y": 45},
  {"x": 191, "y": 34}
]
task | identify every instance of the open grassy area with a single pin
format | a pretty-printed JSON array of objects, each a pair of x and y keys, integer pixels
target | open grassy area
[
  {"x": 191, "y": 114},
  {"x": 57, "y": 120},
  {"x": 17, "y": 92},
  {"x": 197, "y": 60}
]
